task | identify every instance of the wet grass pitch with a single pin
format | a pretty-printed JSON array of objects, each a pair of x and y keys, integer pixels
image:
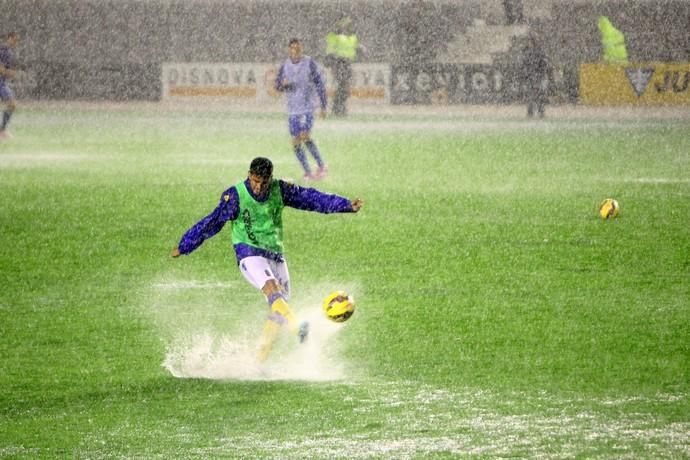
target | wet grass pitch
[{"x": 497, "y": 314}]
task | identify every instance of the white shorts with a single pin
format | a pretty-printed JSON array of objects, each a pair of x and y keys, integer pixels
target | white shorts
[{"x": 259, "y": 270}]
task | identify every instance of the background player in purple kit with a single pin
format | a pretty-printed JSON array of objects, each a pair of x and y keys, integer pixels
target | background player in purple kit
[
  {"x": 300, "y": 79},
  {"x": 255, "y": 207},
  {"x": 7, "y": 72}
]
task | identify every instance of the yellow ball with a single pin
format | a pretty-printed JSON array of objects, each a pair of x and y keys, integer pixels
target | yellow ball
[
  {"x": 609, "y": 209},
  {"x": 339, "y": 306}
]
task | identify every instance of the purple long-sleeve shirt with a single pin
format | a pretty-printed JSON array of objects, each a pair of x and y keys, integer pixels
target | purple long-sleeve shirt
[
  {"x": 294, "y": 196},
  {"x": 6, "y": 60},
  {"x": 305, "y": 84}
]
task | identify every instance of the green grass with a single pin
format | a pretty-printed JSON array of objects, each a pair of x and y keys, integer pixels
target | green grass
[{"x": 497, "y": 314}]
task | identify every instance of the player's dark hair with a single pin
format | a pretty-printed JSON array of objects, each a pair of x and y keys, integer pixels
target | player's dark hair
[
  {"x": 294, "y": 40},
  {"x": 262, "y": 167}
]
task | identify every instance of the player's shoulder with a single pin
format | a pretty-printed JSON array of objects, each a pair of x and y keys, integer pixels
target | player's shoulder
[
  {"x": 230, "y": 194},
  {"x": 288, "y": 185},
  {"x": 284, "y": 182}
]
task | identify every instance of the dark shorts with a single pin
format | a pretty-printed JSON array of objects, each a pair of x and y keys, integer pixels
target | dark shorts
[
  {"x": 300, "y": 123},
  {"x": 5, "y": 92}
]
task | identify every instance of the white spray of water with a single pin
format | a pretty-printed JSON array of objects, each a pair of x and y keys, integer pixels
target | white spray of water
[
  {"x": 209, "y": 354},
  {"x": 235, "y": 358}
]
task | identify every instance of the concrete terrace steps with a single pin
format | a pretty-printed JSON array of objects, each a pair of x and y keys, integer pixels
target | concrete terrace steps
[{"x": 480, "y": 43}]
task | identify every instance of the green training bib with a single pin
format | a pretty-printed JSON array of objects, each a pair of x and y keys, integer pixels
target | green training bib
[{"x": 259, "y": 224}]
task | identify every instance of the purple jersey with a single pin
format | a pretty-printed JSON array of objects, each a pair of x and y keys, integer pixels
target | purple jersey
[
  {"x": 6, "y": 60},
  {"x": 305, "y": 88},
  {"x": 294, "y": 196}
]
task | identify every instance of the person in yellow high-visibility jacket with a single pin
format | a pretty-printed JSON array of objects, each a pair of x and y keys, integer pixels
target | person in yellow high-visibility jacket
[
  {"x": 612, "y": 43},
  {"x": 342, "y": 46}
]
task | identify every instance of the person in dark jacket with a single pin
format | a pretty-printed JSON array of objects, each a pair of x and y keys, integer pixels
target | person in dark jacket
[{"x": 536, "y": 70}]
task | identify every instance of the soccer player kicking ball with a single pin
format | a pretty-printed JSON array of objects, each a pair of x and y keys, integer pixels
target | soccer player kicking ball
[{"x": 255, "y": 206}]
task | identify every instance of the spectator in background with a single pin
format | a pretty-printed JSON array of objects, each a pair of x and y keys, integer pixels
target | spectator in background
[
  {"x": 420, "y": 34},
  {"x": 612, "y": 43},
  {"x": 342, "y": 46},
  {"x": 422, "y": 30},
  {"x": 7, "y": 72},
  {"x": 513, "y": 10},
  {"x": 536, "y": 70}
]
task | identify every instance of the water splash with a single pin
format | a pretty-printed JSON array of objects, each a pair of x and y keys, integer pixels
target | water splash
[{"x": 203, "y": 355}]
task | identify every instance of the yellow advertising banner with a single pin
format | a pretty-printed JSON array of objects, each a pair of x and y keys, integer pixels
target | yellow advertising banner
[{"x": 635, "y": 84}]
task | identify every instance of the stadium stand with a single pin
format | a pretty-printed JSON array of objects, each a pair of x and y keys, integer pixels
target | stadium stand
[{"x": 84, "y": 49}]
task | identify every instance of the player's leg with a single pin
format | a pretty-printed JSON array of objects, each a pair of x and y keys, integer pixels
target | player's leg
[
  {"x": 280, "y": 270},
  {"x": 542, "y": 97},
  {"x": 302, "y": 158},
  {"x": 282, "y": 276},
  {"x": 305, "y": 135},
  {"x": 341, "y": 87},
  {"x": 294, "y": 123},
  {"x": 280, "y": 315},
  {"x": 259, "y": 272},
  {"x": 280, "y": 310},
  {"x": 346, "y": 84},
  {"x": 314, "y": 150}
]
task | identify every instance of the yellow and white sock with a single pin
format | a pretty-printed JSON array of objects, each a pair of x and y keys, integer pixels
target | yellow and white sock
[
  {"x": 281, "y": 314},
  {"x": 268, "y": 338},
  {"x": 280, "y": 307}
]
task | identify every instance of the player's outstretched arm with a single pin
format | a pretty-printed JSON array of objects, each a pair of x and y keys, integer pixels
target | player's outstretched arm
[{"x": 227, "y": 210}]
